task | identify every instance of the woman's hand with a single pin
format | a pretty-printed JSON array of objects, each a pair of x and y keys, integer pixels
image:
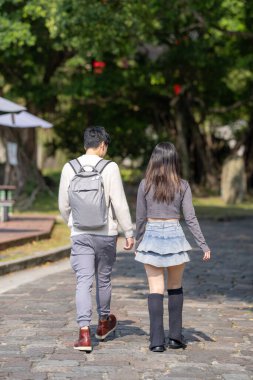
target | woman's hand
[{"x": 207, "y": 256}]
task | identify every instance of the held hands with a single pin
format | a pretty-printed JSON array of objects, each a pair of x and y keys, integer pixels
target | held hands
[
  {"x": 207, "y": 256},
  {"x": 129, "y": 244}
]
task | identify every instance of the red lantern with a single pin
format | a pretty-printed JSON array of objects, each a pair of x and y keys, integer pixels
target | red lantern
[
  {"x": 177, "y": 89},
  {"x": 98, "y": 66}
]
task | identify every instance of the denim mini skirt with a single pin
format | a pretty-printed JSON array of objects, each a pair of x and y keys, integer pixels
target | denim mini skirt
[{"x": 164, "y": 244}]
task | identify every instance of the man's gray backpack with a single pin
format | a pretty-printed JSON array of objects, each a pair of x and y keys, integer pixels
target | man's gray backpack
[{"x": 86, "y": 195}]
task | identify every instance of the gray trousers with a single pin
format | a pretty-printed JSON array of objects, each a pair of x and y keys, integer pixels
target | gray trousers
[{"x": 92, "y": 255}]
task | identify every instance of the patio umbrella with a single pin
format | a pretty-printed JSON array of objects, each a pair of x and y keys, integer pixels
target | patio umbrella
[
  {"x": 6, "y": 106},
  {"x": 23, "y": 120}
]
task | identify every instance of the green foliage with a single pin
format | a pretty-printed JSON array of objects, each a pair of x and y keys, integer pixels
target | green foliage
[
  {"x": 131, "y": 176},
  {"x": 46, "y": 53}
]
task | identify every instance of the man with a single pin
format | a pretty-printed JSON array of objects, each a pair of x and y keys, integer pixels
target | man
[{"x": 94, "y": 250}]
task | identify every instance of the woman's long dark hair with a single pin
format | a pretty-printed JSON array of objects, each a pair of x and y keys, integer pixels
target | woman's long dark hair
[{"x": 162, "y": 174}]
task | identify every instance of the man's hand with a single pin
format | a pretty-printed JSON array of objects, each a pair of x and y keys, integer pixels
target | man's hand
[
  {"x": 207, "y": 255},
  {"x": 129, "y": 244}
]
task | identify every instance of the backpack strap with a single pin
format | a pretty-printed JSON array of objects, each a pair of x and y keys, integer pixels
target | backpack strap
[
  {"x": 76, "y": 165},
  {"x": 101, "y": 165}
]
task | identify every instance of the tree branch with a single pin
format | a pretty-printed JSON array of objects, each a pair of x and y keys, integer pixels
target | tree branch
[
  {"x": 55, "y": 61},
  {"x": 244, "y": 35},
  {"x": 236, "y": 105},
  {"x": 202, "y": 24}
]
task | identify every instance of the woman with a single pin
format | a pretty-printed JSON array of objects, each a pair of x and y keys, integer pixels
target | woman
[{"x": 161, "y": 243}]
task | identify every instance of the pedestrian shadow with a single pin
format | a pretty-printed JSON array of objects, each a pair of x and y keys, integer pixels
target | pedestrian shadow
[
  {"x": 124, "y": 328},
  {"x": 193, "y": 335}
]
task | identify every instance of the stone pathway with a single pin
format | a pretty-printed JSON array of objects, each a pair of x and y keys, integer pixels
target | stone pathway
[{"x": 38, "y": 321}]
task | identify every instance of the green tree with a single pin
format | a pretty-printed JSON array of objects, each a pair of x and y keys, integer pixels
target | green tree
[{"x": 174, "y": 70}]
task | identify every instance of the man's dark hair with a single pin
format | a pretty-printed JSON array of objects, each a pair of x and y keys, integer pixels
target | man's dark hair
[{"x": 93, "y": 136}]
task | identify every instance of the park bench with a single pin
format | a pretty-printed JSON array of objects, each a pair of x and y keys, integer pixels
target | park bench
[{"x": 6, "y": 201}]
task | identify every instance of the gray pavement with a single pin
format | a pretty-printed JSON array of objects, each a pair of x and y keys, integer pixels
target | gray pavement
[{"x": 38, "y": 320}]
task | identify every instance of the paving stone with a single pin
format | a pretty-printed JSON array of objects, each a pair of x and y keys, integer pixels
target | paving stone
[
  {"x": 54, "y": 365},
  {"x": 38, "y": 321},
  {"x": 235, "y": 376},
  {"x": 71, "y": 376},
  {"x": 122, "y": 375}
]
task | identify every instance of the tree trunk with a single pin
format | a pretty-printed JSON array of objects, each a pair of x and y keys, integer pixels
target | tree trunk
[
  {"x": 249, "y": 153},
  {"x": 182, "y": 142},
  {"x": 202, "y": 161},
  {"x": 196, "y": 156},
  {"x": 26, "y": 170}
]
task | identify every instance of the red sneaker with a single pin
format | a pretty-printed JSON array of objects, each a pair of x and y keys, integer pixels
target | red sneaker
[
  {"x": 106, "y": 327},
  {"x": 84, "y": 341}
]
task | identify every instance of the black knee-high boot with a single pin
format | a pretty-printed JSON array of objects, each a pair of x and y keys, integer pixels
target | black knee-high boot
[
  {"x": 155, "y": 308},
  {"x": 175, "y": 307}
]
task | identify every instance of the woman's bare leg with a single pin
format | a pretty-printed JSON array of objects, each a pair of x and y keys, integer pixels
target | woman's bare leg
[
  {"x": 175, "y": 276},
  {"x": 155, "y": 277}
]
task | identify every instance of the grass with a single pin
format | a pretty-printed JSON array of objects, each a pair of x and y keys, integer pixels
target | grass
[
  {"x": 215, "y": 208},
  {"x": 206, "y": 207},
  {"x": 211, "y": 207},
  {"x": 45, "y": 202}
]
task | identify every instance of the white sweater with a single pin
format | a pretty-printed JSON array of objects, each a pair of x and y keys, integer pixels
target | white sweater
[{"x": 113, "y": 190}]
